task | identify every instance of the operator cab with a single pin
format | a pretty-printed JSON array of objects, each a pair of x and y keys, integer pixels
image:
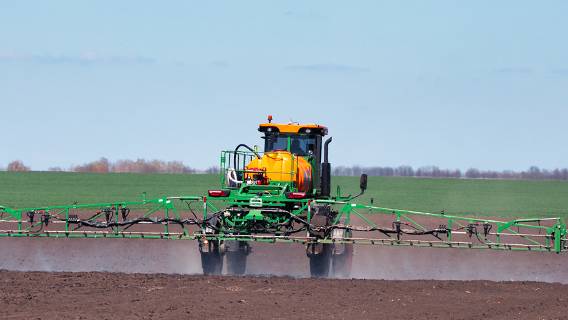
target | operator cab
[{"x": 303, "y": 140}]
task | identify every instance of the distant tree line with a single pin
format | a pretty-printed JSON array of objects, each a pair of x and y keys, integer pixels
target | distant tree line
[
  {"x": 533, "y": 173},
  {"x": 103, "y": 165}
]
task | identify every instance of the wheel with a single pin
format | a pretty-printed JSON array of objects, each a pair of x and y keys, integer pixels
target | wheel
[
  {"x": 211, "y": 258},
  {"x": 236, "y": 254},
  {"x": 342, "y": 253},
  {"x": 320, "y": 253},
  {"x": 342, "y": 260}
]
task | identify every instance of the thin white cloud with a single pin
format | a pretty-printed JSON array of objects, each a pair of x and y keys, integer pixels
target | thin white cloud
[
  {"x": 328, "y": 67},
  {"x": 560, "y": 71},
  {"x": 304, "y": 15},
  {"x": 87, "y": 58},
  {"x": 219, "y": 64},
  {"x": 514, "y": 70}
]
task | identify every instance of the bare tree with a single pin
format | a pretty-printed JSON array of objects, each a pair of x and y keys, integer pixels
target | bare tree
[
  {"x": 472, "y": 173},
  {"x": 17, "y": 166},
  {"x": 212, "y": 170},
  {"x": 100, "y": 166}
]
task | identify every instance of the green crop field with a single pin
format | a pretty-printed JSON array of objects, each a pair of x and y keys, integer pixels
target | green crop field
[{"x": 456, "y": 196}]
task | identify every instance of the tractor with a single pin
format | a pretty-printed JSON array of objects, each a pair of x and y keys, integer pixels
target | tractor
[{"x": 270, "y": 193}]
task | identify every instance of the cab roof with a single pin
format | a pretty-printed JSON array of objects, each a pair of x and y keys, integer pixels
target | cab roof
[{"x": 310, "y": 128}]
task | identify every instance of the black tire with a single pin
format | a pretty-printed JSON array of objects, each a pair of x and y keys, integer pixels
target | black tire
[
  {"x": 320, "y": 260},
  {"x": 342, "y": 262},
  {"x": 237, "y": 259},
  {"x": 212, "y": 263},
  {"x": 212, "y": 260},
  {"x": 236, "y": 263},
  {"x": 320, "y": 253}
]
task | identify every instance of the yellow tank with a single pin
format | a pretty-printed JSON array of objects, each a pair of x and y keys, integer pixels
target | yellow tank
[{"x": 280, "y": 166}]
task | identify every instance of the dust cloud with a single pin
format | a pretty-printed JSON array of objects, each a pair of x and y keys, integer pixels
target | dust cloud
[{"x": 182, "y": 257}]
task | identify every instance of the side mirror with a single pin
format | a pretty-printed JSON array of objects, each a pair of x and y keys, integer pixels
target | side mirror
[{"x": 363, "y": 182}]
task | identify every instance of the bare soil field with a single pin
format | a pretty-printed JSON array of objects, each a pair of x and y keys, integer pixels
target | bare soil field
[
  {"x": 152, "y": 279},
  {"x": 42, "y": 295},
  {"x": 156, "y": 279}
]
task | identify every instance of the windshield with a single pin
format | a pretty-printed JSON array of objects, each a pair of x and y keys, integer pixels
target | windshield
[{"x": 302, "y": 145}]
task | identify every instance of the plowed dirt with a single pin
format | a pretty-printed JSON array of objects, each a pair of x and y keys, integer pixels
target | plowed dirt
[{"x": 43, "y": 295}]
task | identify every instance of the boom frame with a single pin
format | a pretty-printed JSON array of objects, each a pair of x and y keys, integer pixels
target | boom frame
[{"x": 454, "y": 231}]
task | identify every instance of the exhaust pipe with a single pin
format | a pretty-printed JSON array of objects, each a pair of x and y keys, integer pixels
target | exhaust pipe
[{"x": 325, "y": 185}]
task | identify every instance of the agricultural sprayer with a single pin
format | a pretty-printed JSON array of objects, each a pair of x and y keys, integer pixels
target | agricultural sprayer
[{"x": 280, "y": 195}]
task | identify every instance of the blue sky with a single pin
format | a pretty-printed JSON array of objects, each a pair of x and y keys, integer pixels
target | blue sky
[{"x": 456, "y": 84}]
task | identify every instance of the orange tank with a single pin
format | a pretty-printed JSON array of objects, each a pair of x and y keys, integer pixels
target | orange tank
[{"x": 280, "y": 166}]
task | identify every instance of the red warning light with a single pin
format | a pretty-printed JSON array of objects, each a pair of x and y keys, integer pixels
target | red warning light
[
  {"x": 269, "y": 118},
  {"x": 295, "y": 195},
  {"x": 219, "y": 193}
]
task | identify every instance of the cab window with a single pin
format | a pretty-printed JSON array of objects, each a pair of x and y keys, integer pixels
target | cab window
[{"x": 302, "y": 145}]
